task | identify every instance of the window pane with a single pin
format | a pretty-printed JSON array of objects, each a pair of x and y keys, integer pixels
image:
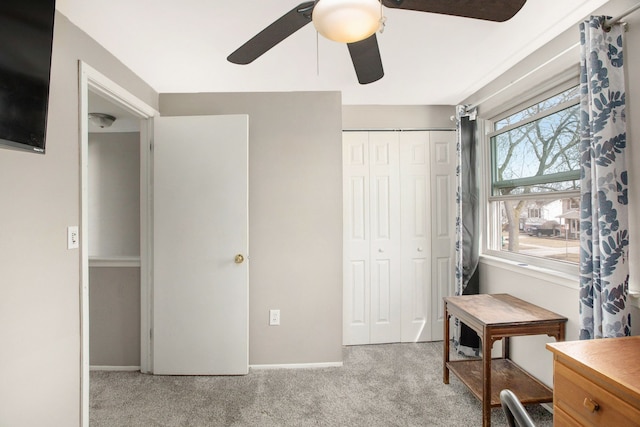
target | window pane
[
  {"x": 544, "y": 229},
  {"x": 515, "y": 189},
  {"x": 538, "y": 156},
  {"x": 568, "y": 95}
]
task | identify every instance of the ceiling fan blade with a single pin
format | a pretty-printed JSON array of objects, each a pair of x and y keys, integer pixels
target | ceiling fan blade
[
  {"x": 365, "y": 56},
  {"x": 489, "y": 10},
  {"x": 279, "y": 30}
]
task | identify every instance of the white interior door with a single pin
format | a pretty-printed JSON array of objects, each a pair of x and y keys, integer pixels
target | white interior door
[{"x": 200, "y": 215}]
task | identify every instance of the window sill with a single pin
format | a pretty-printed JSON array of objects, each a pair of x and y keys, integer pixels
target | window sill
[
  {"x": 563, "y": 279},
  {"x": 568, "y": 280},
  {"x": 634, "y": 298}
]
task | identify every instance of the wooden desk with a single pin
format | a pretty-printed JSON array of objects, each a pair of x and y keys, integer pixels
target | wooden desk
[
  {"x": 495, "y": 317},
  {"x": 596, "y": 382}
]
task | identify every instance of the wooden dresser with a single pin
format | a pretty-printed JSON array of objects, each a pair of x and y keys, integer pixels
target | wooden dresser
[{"x": 596, "y": 382}]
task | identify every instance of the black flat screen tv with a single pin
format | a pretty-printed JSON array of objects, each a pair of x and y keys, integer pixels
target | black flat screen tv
[{"x": 26, "y": 38}]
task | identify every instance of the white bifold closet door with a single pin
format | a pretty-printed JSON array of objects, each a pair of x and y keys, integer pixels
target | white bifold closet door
[
  {"x": 372, "y": 218},
  {"x": 394, "y": 194}
]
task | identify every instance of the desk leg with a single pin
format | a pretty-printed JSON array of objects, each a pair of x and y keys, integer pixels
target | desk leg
[
  {"x": 486, "y": 379},
  {"x": 445, "y": 352},
  {"x": 505, "y": 347}
]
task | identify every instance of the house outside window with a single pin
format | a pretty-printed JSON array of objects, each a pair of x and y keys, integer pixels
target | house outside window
[{"x": 534, "y": 186}]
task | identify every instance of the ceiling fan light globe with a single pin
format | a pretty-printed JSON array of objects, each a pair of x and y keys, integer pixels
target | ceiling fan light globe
[{"x": 347, "y": 21}]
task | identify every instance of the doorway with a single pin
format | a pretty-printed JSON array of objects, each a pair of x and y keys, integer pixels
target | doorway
[
  {"x": 94, "y": 89},
  {"x": 198, "y": 163},
  {"x": 114, "y": 237}
]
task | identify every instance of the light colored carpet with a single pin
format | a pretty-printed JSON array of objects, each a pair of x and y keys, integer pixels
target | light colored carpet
[{"x": 379, "y": 385}]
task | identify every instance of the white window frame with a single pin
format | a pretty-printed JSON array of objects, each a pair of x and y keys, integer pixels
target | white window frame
[{"x": 489, "y": 217}]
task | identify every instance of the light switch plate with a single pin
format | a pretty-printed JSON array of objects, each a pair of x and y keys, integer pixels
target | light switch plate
[
  {"x": 274, "y": 317},
  {"x": 73, "y": 238}
]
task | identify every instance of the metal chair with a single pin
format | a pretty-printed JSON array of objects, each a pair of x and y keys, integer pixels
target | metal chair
[{"x": 516, "y": 415}]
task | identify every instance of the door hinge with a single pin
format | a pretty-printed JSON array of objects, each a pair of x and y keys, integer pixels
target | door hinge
[{"x": 150, "y": 333}]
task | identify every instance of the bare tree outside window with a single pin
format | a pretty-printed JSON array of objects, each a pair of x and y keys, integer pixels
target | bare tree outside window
[{"x": 535, "y": 175}]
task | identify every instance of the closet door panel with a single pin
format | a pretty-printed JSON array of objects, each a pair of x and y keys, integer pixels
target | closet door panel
[
  {"x": 385, "y": 237},
  {"x": 356, "y": 268},
  {"x": 359, "y": 290},
  {"x": 381, "y": 291},
  {"x": 416, "y": 236},
  {"x": 444, "y": 214}
]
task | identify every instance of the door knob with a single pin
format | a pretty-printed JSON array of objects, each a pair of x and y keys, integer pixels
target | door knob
[
  {"x": 419, "y": 249},
  {"x": 239, "y": 259}
]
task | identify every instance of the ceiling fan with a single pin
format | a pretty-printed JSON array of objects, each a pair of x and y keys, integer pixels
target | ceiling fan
[{"x": 355, "y": 22}]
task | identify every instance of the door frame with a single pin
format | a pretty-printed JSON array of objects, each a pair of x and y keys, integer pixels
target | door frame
[{"x": 92, "y": 80}]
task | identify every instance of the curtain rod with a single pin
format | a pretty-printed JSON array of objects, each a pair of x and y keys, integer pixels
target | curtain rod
[
  {"x": 436, "y": 129},
  {"x": 616, "y": 19}
]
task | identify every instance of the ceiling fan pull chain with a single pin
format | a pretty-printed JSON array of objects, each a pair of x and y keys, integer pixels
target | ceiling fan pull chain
[
  {"x": 317, "y": 54},
  {"x": 383, "y": 19}
]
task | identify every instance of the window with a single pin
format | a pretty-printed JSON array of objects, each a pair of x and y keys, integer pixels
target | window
[
  {"x": 533, "y": 212},
  {"x": 534, "y": 191}
]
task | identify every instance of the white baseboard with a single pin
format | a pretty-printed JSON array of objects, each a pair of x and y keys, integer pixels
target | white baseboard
[
  {"x": 299, "y": 366},
  {"x": 280, "y": 366},
  {"x": 113, "y": 368}
]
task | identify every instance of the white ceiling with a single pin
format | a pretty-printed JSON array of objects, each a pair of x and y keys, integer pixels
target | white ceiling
[{"x": 429, "y": 59}]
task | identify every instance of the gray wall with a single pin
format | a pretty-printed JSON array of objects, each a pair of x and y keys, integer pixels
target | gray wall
[
  {"x": 114, "y": 194},
  {"x": 369, "y": 117},
  {"x": 114, "y": 309},
  {"x": 39, "y": 277},
  {"x": 114, "y": 231},
  {"x": 295, "y": 219},
  {"x": 556, "y": 292}
]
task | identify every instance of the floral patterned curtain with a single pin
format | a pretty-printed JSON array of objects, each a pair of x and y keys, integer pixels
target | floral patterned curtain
[
  {"x": 465, "y": 341},
  {"x": 604, "y": 234}
]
